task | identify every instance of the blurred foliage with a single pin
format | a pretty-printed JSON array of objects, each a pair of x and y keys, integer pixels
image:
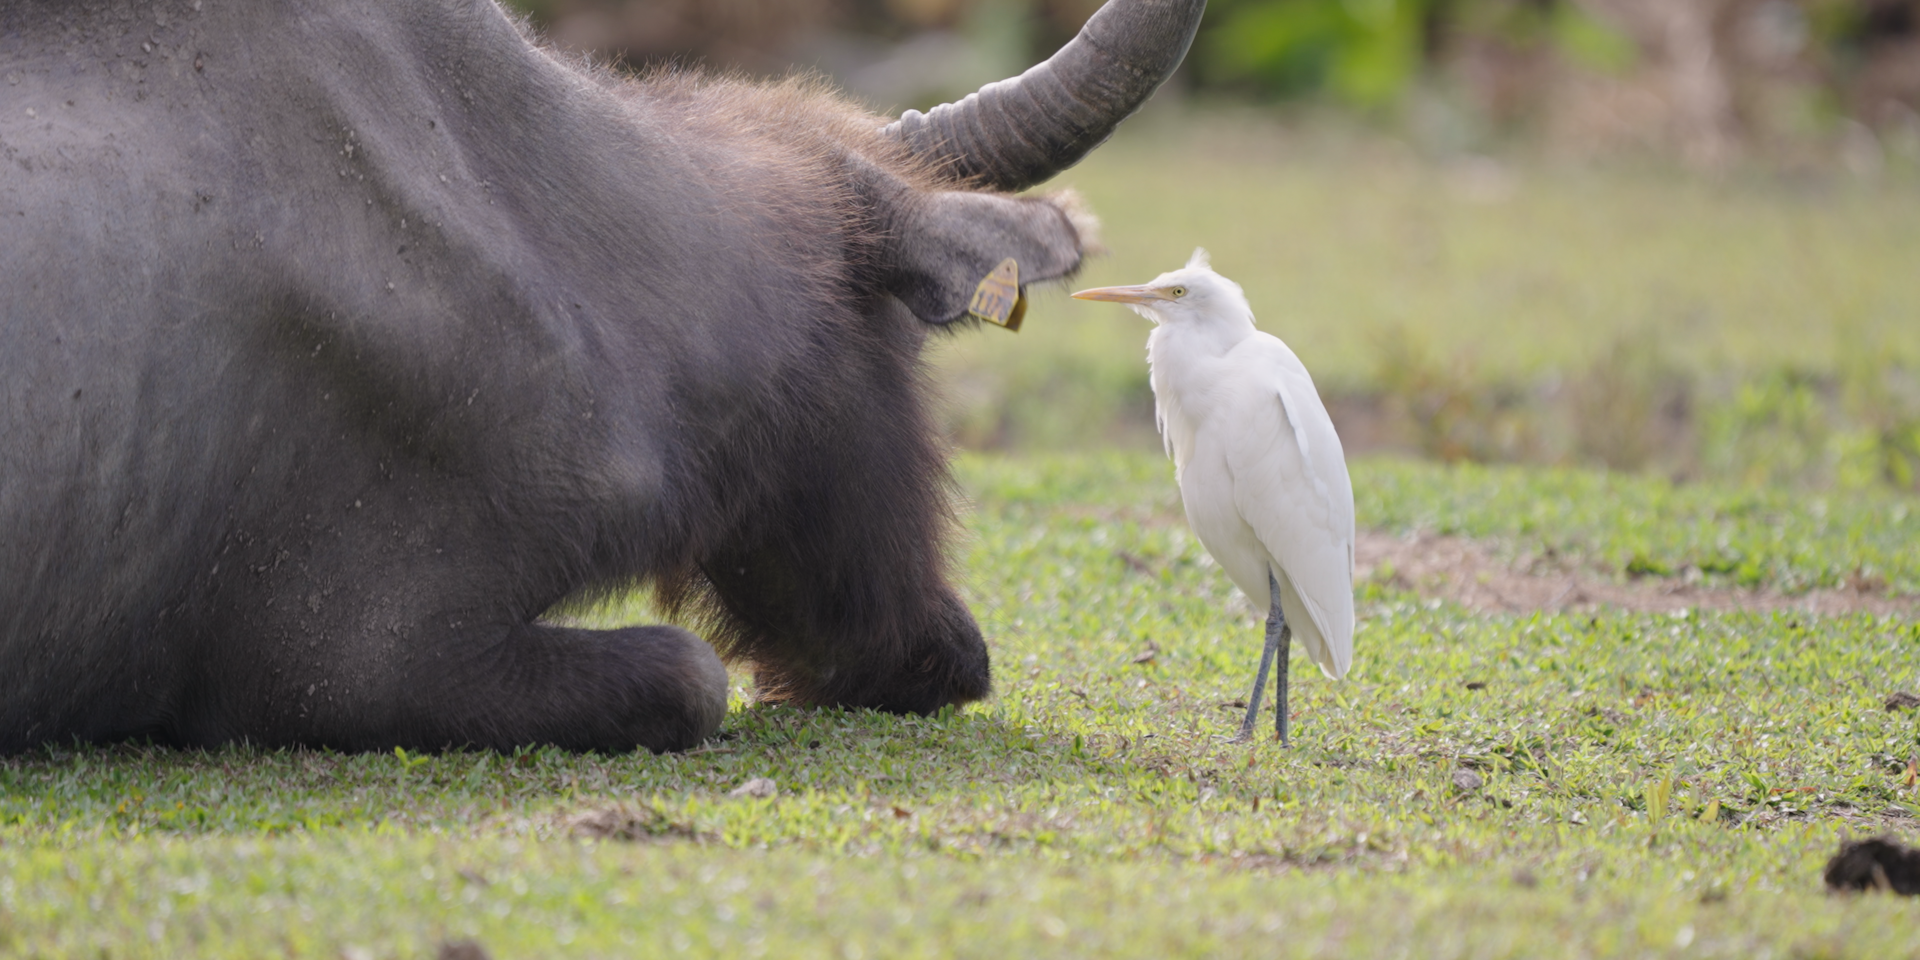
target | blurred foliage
[
  {"x": 1707, "y": 76},
  {"x": 1369, "y": 53},
  {"x": 1631, "y": 409},
  {"x": 1366, "y": 51}
]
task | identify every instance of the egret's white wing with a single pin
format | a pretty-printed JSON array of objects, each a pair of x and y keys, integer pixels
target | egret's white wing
[{"x": 1290, "y": 487}]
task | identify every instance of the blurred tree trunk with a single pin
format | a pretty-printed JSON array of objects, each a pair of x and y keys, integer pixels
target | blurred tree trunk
[
  {"x": 1694, "y": 46},
  {"x": 1877, "y": 63}
]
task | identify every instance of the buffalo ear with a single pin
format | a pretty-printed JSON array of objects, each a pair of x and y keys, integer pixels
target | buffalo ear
[{"x": 945, "y": 243}]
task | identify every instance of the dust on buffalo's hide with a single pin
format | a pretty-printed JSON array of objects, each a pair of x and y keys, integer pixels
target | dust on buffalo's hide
[{"x": 341, "y": 339}]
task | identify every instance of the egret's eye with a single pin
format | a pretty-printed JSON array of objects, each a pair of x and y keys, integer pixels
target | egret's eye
[{"x": 1178, "y": 291}]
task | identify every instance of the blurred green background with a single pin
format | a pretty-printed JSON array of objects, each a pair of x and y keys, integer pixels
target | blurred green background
[
  {"x": 1669, "y": 236},
  {"x": 1710, "y": 75}
]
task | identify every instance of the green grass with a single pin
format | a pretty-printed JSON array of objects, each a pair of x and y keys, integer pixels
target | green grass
[
  {"x": 1526, "y": 272},
  {"x": 1654, "y": 784},
  {"x": 1745, "y": 536}
]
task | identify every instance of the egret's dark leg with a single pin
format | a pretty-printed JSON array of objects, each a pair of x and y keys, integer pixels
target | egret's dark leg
[
  {"x": 1278, "y": 637},
  {"x": 1259, "y": 685},
  {"x": 1282, "y": 714}
]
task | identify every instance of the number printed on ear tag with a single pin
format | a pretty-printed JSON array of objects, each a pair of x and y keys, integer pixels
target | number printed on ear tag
[{"x": 997, "y": 299}]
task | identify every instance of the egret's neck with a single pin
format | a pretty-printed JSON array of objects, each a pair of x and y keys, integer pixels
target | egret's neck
[
  {"x": 1186, "y": 362},
  {"x": 1197, "y": 342}
]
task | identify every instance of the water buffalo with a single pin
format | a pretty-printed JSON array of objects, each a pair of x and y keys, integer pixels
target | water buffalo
[{"x": 342, "y": 339}]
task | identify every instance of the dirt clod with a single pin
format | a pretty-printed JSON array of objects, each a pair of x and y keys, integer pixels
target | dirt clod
[
  {"x": 1467, "y": 781},
  {"x": 631, "y": 824},
  {"x": 759, "y": 788},
  {"x": 1860, "y": 581},
  {"x": 1877, "y": 863},
  {"x": 463, "y": 950},
  {"x": 1902, "y": 700}
]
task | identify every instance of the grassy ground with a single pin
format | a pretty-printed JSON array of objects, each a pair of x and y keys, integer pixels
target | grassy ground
[{"x": 1650, "y": 785}]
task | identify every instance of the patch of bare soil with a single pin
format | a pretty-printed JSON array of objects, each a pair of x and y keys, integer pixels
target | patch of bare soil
[{"x": 1460, "y": 570}]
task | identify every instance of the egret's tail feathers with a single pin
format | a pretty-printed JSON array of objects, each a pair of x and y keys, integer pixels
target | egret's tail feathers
[
  {"x": 1324, "y": 623},
  {"x": 1329, "y": 638}
]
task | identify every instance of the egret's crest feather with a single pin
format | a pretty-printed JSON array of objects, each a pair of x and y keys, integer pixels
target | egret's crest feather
[{"x": 1201, "y": 258}]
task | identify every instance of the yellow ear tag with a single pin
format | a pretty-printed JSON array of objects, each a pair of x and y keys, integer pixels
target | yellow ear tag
[{"x": 997, "y": 299}]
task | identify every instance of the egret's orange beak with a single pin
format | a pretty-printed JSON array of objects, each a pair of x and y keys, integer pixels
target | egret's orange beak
[{"x": 1137, "y": 294}]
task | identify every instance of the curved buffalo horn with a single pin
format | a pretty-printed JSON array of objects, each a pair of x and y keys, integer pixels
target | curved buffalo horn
[{"x": 1015, "y": 133}]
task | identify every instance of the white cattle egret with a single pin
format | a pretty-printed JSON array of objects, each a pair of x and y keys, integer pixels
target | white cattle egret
[{"x": 1258, "y": 462}]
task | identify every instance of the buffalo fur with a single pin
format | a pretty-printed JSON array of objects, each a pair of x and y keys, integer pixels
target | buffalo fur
[{"x": 340, "y": 340}]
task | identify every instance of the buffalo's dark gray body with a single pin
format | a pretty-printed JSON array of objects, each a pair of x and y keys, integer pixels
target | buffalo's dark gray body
[{"x": 340, "y": 339}]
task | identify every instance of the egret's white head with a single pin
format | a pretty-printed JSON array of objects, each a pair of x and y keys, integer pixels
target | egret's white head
[{"x": 1191, "y": 296}]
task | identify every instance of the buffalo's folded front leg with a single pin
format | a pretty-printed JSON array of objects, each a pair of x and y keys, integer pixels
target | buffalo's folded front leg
[{"x": 659, "y": 687}]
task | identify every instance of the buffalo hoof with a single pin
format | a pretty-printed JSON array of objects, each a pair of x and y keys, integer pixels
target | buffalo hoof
[
  {"x": 684, "y": 689},
  {"x": 946, "y": 665},
  {"x": 951, "y": 668},
  {"x": 607, "y": 691}
]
